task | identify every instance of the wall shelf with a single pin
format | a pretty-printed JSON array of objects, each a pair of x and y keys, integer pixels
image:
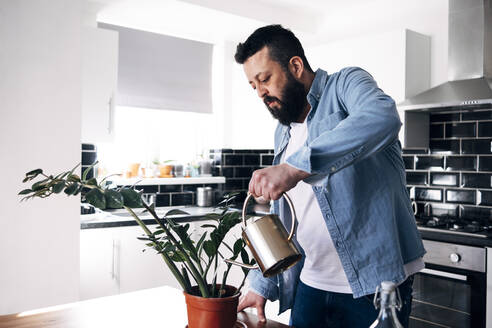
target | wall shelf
[{"x": 166, "y": 181}]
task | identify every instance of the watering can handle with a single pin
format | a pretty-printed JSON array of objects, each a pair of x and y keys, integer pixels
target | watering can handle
[{"x": 291, "y": 207}]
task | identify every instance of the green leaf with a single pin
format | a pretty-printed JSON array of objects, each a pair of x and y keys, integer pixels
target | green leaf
[
  {"x": 34, "y": 172},
  {"x": 58, "y": 187},
  {"x": 73, "y": 178},
  {"x": 96, "y": 198},
  {"x": 176, "y": 212},
  {"x": 86, "y": 171},
  {"x": 208, "y": 226},
  {"x": 131, "y": 198},
  {"x": 92, "y": 182},
  {"x": 113, "y": 199},
  {"x": 238, "y": 246},
  {"x": 25, "y": 192},
  {"x": 72, "y": 189},
  {"x": 39, "y": 185},
  {"x": 209, "y": 247}
]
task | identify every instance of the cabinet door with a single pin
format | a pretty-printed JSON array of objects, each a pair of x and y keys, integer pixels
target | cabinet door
[
  {"x": 99, "y": 263},
  {"x": 141, "y": 269},
  {"x": 99, "y": 80}
]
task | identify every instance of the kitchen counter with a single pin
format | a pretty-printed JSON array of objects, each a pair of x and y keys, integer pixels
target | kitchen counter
[
  {"x": 156, "y": 307},
  {"x": 121, "y": 218}
]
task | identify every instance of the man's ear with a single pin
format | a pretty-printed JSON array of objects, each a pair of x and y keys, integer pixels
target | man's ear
[{"x": 296, "y": 66}]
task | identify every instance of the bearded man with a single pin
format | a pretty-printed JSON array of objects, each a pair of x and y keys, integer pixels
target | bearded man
[{"x": 338, "y": 157}]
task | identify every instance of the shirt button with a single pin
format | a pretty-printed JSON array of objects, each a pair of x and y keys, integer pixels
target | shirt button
[
  {"x": 337, "y": 244},
  {"x": 333, "y": 169}
]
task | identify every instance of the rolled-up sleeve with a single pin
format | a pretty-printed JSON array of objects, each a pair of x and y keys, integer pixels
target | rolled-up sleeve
[{"x": 266, "y": 287}]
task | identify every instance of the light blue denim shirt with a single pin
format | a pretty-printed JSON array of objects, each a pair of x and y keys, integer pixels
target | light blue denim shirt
[{"x": 358, "y": 177}]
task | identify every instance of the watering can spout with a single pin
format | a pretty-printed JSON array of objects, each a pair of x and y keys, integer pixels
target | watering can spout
[{"x": 243, "y": 265}]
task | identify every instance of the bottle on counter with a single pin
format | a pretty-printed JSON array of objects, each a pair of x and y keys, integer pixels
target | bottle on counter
[{"x": 387, "y": 301}]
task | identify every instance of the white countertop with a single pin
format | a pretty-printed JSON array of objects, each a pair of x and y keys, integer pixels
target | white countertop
[{"x": 165, "y": 181}]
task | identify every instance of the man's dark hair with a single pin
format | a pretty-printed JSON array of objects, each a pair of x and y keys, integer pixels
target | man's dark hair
[{"x": 281, "y": 42}]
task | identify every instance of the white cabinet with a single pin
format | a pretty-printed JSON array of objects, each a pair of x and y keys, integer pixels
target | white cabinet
[
  {"x": 99, "y": 81},
  {"x": 112, "y": 262},
  {"x": 398, "y": 60},
  {"x": 99, "y": 263},
  {"x": 141, "y": 270}
]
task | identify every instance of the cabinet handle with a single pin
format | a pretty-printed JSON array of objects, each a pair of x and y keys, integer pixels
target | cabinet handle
[
  {"x": 110, "y": 113},
  {"x": 115, "y": 260}
]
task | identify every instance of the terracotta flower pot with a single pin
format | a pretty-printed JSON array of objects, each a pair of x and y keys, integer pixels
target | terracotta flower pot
[
  {"x": 165, "y": 171},
  {"x": 212, "y": 312}
]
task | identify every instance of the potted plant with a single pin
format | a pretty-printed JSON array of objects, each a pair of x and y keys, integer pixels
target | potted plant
[{"x": 210, "y": 302}]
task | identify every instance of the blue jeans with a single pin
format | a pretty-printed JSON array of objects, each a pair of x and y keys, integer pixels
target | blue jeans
[{"x": 318, "y": 308}]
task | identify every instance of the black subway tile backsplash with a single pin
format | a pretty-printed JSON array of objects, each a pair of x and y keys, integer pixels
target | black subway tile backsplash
[
  {"x": 460, "y": 196},
  {"x": 406, "y": 151},
  {"x": 433, "y": 163},
  {"x": 427, "y": 194},
  {"x": 485, "y": 163},
  {"x": 477, "y": 115},
  {"x": 88, "y": 146},
  {"x": 484, "y": 197},
  {"x": 185, "y": 198},
  {"x": 228, "y": 172},
  {"x": 233, "y": 159},
  {"x": 444, "y": 179},
  {"x": 444, "y": 146},
  {"x": 445, "y": 117},
  {"x": 437, "y": 131},
  {"x": 162, "y": 200},
  {"x": 458, "y": 165},
  {"x": 444, "y": 209},
  {"x": 417, "y": 178},
  {"x": 148, "y": 189},
  {"x": 485, "y": 129},
  {"x": 243, "y": 172},
  {"x": 458, "y": 130},
  {"x": 408, "y": 160},
  {"x": 461, "y": 163},
  {"x": 266, "y": 160},
  {"x": 476, "y": 146},
  {"x": 235, "y": 184},
  {"x": 252, "y": 159},
  {"x": 476, "y": 180},
  {"x": 477, "y": 213},
  {"x": 89, "y": 157},
  {"x": 170, "y": 188}
]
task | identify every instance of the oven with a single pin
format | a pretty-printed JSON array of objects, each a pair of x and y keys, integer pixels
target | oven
[{"x": 453, "y": 289}]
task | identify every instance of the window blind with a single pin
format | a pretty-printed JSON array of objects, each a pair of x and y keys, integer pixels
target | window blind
[{"x": 163, "y": 72}]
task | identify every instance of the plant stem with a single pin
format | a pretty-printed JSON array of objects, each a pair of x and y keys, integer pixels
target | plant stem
[
  {"x": 202, "y": 285},
  {"x": 169, "y": 262}
]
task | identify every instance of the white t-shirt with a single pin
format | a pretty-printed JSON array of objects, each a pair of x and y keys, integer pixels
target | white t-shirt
[{"x": 322, "y": 267}]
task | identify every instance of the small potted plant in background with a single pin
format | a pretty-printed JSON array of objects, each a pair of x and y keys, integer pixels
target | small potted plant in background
[{"x": 211, "y": 303}]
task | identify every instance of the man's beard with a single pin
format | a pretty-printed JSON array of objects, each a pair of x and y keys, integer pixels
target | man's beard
[{"x": 293, "y": 104}]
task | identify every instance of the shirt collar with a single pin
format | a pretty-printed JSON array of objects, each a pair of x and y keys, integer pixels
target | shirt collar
[{"x": 317, "y": 87}]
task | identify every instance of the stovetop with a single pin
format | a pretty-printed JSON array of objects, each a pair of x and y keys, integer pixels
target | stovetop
[{"x": 452, "y": 225}]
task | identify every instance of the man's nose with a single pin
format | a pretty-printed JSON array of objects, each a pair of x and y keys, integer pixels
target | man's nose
[{"x": 262, "y": 92}]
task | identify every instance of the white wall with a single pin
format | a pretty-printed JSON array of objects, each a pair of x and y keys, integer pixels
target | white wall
[
  {"x": 379, "y": 16},
  {"x": 39, "y": 127}
]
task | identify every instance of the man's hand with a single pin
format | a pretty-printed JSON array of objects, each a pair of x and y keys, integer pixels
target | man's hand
[
  {"x": 273, "y": 181},
  {"x": 251, "y": 299}
]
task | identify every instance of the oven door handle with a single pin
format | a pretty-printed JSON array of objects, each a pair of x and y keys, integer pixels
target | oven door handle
[{"x": 444, "y": 274}]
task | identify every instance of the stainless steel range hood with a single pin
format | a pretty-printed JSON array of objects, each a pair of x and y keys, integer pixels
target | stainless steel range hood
[{"x": 469, "y": 60}]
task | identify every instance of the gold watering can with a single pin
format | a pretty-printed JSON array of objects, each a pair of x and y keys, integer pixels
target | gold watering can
[{"x": 271, "y": 246}]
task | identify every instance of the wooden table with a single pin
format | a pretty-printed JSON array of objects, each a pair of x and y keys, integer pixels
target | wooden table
[{"x": 157, "y": 307}]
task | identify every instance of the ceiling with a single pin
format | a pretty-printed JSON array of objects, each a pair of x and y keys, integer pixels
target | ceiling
[{"x": 217, "y": 20}]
